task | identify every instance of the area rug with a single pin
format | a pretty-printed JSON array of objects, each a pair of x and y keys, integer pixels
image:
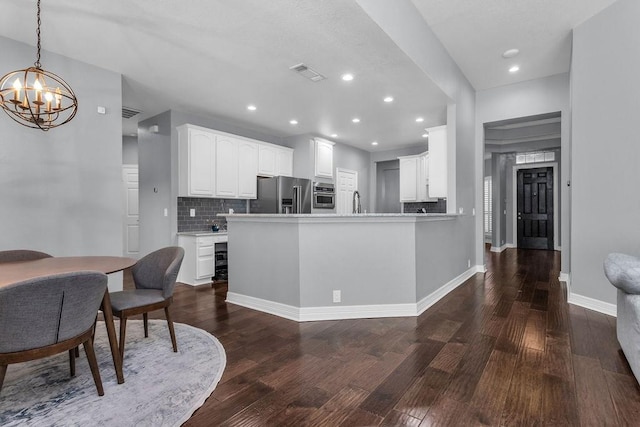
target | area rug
[{"x": 161, "y": 388}]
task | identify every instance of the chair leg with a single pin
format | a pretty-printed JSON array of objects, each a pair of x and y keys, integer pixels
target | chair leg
[
  {"x": 72, "y": 361},
  {"x": 123, "y": 331},
  {"x": 3, "y": 371},
  {"x": 93, "y": 363},
  {"x": 76, "y": 352},
  {"x": 145, "y": 319},
  {"x": 172, "y": 332}
]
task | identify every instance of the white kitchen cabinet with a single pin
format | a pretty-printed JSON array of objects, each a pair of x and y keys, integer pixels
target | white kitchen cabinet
[
  {"x": 226, "y": 167},
  {"x": 284, "y": 162},
  {"x": 220, "y": 165},
  {"x": 274, "y": 160},
  {"x": 196, "y": 162},
  {"x": 323, "y": 158},
  {"x": 408, "y": 179},
  {"x": 198, "y": 265},
  {"x": 414, "y": 180},
  {"x": 437, "y": 173},
  {"x": 267, "y": 160},
  {"x": 247, "y": 170}
]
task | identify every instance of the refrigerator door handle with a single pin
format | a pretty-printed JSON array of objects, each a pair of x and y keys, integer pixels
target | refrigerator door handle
[{"x": 297, "y": 203}]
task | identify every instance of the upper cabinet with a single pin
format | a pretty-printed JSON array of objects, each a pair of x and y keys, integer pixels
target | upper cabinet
[
  {"x": 323, "y": 158},
  {"x": 196, "y": 162},
  {"x": 220, "y": 165},
  {"x": 423, "y": 177},
  {"x": 274, "y": 160},
  {"x": 414, "y": 183},
  {"x": 437, "y": 173}
]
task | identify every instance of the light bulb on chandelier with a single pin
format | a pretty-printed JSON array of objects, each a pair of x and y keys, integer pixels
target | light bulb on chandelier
[{"x": 22, "y": 93}]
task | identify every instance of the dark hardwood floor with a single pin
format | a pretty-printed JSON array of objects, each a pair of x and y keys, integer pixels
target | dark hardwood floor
[{"x": 502, "y": 349}]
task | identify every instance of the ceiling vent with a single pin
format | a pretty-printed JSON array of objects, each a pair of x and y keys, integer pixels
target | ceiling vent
[
  {"x": 307, "y": 72},
  {"x": 127, "y": 112}
]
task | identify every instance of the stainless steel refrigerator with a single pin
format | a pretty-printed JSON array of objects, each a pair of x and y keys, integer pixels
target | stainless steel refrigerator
[{"x": 282, "y": 194}]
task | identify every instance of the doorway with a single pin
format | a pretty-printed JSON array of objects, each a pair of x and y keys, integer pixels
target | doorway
[
  {"x": 535, "y": 204},
  {"x": 388, "y": 187}
]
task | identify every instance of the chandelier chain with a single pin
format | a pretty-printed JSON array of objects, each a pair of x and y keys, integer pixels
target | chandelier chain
[{"x": 37, "y": 63}]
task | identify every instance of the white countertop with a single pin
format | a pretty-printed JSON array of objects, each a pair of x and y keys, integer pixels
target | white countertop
[
  {"x": 202, "y": 233},
  {"x": 335, "y": 218}
]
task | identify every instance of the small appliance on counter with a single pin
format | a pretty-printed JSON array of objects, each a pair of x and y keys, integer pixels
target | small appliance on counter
[{"x": 282, "y": 194}]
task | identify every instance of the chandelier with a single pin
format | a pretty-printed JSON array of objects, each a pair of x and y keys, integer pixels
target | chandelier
[{"x": 37, "y": 98}]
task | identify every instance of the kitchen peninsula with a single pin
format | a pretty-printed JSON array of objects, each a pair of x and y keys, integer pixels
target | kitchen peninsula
[{"x": 326, "y": 266}]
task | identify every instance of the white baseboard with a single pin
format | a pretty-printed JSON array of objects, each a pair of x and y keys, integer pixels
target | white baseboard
[
  {"x": 593, "y": 304},
  {"x": 500, "y": 249},
  {"x": 439, "y": 293},
  {"x": 341, "y": 312},
  {"x": 266, "y": 306},
  {"x": 511, "y": 245}
]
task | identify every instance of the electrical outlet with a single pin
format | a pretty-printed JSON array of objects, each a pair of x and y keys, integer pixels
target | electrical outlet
[
  {"x": 166, "y": 212},
  {"x": 192, "y": 212},
  {"x": 337, "y": 297}
]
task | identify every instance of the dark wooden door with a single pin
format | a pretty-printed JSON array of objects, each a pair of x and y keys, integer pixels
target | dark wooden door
[{"x": 535, "y": 208}]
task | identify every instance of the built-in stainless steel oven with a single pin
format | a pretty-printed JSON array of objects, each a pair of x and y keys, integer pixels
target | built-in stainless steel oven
[{"x": 324, "y": 195}]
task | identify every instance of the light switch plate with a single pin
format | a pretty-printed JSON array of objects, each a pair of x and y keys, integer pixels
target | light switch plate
[{"x": 192, "y": 212}]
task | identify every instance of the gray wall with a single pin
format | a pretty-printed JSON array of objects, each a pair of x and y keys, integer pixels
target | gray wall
[
  {"x": 156, "y": 193},
  {"x": 529, "y": 98},
  {"x": 61, "y": 190},
  {"x": 606, "y": 146},
  {"x": 405, "y": 26},
  {"x": 130, "y": 150}
]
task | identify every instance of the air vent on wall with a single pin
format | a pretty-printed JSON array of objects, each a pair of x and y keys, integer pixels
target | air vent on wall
[
  {"x": 127, "y": 112},
  {"x": 307, "y": 72}
]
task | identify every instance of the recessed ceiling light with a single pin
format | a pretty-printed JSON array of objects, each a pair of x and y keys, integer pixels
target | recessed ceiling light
[
  {"x": 293, "y": 122},
  {"x": 388, "y": 99},
  {"x": 251, "y": 107},
  {"x": 347, "y": 77},
  {"x": 419, "y": 120},
  {"x": 374, "y": 143},
  {"x": 425, "y": 135},
  {"x": 514, "y": 69},
  {"x": 356, "y": 120},
  {"x": 510, "y": 53},
  {"x": 334, "y": 135}
]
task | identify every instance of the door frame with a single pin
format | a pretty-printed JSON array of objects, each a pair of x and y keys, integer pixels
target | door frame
[{"x": 514, "y": 201}]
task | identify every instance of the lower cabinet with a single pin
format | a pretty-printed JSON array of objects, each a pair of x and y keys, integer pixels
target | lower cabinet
[{"x": 199, "y": 264}]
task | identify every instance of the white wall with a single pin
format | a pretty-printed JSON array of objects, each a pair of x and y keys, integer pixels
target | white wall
[
  {"x": 605, "y": 148},
  {"x": 546, "y": 95},
  {"x": 61, "y": 190}
]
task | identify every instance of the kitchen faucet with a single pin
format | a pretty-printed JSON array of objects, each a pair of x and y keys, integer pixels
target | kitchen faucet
[{"x": 356, "y": 206}]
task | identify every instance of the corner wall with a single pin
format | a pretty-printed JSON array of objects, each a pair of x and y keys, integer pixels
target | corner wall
[{"x": 605, "y": 150}]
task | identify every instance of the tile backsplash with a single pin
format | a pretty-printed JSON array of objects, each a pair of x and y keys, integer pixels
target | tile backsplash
[
  {"x": 431, "y": 207},
  {"x": 206, "y": 211}
]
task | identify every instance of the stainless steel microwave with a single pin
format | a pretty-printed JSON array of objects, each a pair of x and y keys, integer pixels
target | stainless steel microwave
[{"x": 324, "y": 196}]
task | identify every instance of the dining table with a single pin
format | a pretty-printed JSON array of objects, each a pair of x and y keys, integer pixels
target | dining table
[{"x": 14, "y": 272}]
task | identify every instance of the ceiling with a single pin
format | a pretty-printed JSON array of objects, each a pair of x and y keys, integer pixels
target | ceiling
[{"x": 217, "y": 57}]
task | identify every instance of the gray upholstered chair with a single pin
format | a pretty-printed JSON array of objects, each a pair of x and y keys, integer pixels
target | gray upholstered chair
[
  {"x": 154, "y": 277},
  {"x": 21, "y": 255},
  {"x": 623, "y": 271},
  {"x": 48, "y": 315}
]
